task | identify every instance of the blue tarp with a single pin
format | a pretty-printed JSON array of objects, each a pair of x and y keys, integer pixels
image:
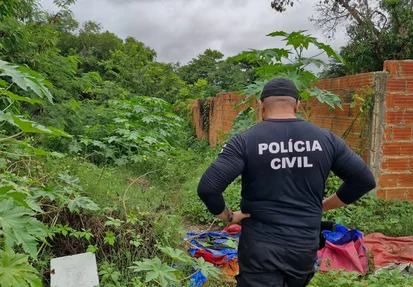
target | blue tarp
[
  {"x": 342, "y": 235},
  {"x": 198, "y": 279}
]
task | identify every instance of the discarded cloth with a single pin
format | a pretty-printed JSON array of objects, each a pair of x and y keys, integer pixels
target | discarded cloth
[
  {"x": 231, "y": 268},
  {"x": 342, "y": 235},
  {"x": 198, "y": 279},
  {"x": 404, "y": 268},
  {"x": 344, "y": 250},
  {"x": 211, "y": 258},
  {"x": 387, "y": 250},
  {"x": 218, "y": 248}
]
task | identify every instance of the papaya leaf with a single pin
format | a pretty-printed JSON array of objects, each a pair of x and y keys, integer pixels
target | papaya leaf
[
  {"x": 176, "y": 254},
  {"x": 156, "y": 270},
  {"x": 26, "y": 78},
  {"x": 80, "y": 202},
  {"x": 323, "y": 96},
  {"x": 19, "y": 228},
  {"x": 20, "y": 98},
  {"x": 15, "y": 270},
  {"x": 3, "y": 83},
  {"x": 207, "y": 268},
  {"x": 29, "y": 126}
]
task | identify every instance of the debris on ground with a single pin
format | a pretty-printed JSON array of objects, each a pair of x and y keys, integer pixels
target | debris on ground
[{"x": 345, "y": 249}]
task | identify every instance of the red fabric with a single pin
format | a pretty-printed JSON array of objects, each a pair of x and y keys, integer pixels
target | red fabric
[
  {"x": 232, "y": 229},
  {"x": 209, "y": 257},
  {"x": 386, "y": 250},
  {"x": 349, "y": 256}
]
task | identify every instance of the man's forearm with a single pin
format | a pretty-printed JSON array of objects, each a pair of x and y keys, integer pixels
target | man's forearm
[
  {"x": 332, "y": 202},
  {"x": 227, "y": 215}
]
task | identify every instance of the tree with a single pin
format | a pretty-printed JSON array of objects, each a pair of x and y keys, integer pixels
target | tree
[
  {"x": 19, "y": 9},
  {"x": 280, "y": 6},
  {"x": 331, "y": 14},
  {"x": 201, "y": 67},
  {"x": 221, "y": 75},
  {"x": 378, "y": 31}
]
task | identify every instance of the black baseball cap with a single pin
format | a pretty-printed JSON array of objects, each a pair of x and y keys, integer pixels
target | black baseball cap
[{"x": 279, "y": 87}]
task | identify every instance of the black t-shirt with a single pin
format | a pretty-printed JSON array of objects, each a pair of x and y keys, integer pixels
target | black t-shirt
[{"x": 284, "y": 166}]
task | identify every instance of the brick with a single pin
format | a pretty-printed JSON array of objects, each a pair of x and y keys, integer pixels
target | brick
[
  {"x": 396, "y": 85},
  {"x": 410, "y": 194},
  {"x": 388, "y": 180},
  {"x": 408, "y": 117},
  {"x": 397, "y": 164},
  {"x": 405, "y": 180},
  {"x": 388, "y": 133},
  {"x": 384, "y": 165},
  {"x": 342, "y": 113},
  {"x": 391, "y": 148},
  {"x": 335, "y": 84},
  {"x": 402, "y": 133},
  {"x": 397, "y": 194},
  {"x": 406, "y": 149},
  {"x": 403, "y": 101},
  {"x": 365, "y": 80},
  {"x": 409, "y": 87},
  {"x": 316, "y": 121},
  {"x": 319, "y": 110},
  {"x": 394, "y": 117},
  {"x": 390, "y": 101},
  {"x": 327, "y": 123},
  {"x": 406, "y": 68},
  {"x": 341, "y": 123},
  {"x": 356, "y": 127},
  {"x": 382, "y": 193},
  {"x": 324, "y": 84},
  {"x": 353, "y": 139},
  {"x": 345, "y": 82},
  {"x": 392, "y": 67}
]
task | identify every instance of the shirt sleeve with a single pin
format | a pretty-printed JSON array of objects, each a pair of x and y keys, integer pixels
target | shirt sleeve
[
  {"x": 223, "y": 171},
  {"x": 351, "y": 168}
]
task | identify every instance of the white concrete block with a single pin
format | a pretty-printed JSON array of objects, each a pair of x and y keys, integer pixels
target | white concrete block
[{"x": 75, "y": 271}]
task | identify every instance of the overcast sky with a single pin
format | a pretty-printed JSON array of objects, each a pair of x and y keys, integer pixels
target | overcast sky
[{"x": 179, "y": 30}]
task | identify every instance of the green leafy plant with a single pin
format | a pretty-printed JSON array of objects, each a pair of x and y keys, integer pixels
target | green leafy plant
[
  {"x": 110, "y": 275},
  {"x": 20, "y": 228},
  {"x": 157, "y": 271},
  {"x": 163, "y": 274},
  {"x": 271, "y": 63},
  {"x": 15, "y": 270},
  {"x": 341, "y": 278},
  {"x": 109, "y": 238},
  {"x": 25, "y": 79},
  {"x": 136, "y": 130}
]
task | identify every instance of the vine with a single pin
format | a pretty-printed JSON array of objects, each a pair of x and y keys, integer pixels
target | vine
[
  {"x": 366, "y": 98},
  {"x": 205, "y": 107}
]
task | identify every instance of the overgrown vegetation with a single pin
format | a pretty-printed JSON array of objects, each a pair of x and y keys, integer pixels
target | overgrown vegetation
[{"x": 97, "y": 153}]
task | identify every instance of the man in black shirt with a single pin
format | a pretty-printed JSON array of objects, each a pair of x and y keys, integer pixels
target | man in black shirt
[{"x": 284, "y": 162}]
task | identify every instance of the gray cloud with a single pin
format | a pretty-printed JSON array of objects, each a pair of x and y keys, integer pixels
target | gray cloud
[{"x": 179, "y": 30}]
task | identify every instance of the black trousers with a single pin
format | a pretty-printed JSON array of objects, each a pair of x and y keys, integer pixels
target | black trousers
[{"x": 265, "y": 264}]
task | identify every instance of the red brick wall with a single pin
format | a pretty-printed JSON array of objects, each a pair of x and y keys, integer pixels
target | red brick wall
[
  {"x": 338, "y": 121},
  {"x": 222, "y": 112},
  {"x": 388, "y": 144},
  {"x": 198, "y": 119},
  {"x": 396, "y": 178},
  {"x": 222, "y": 115}
]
